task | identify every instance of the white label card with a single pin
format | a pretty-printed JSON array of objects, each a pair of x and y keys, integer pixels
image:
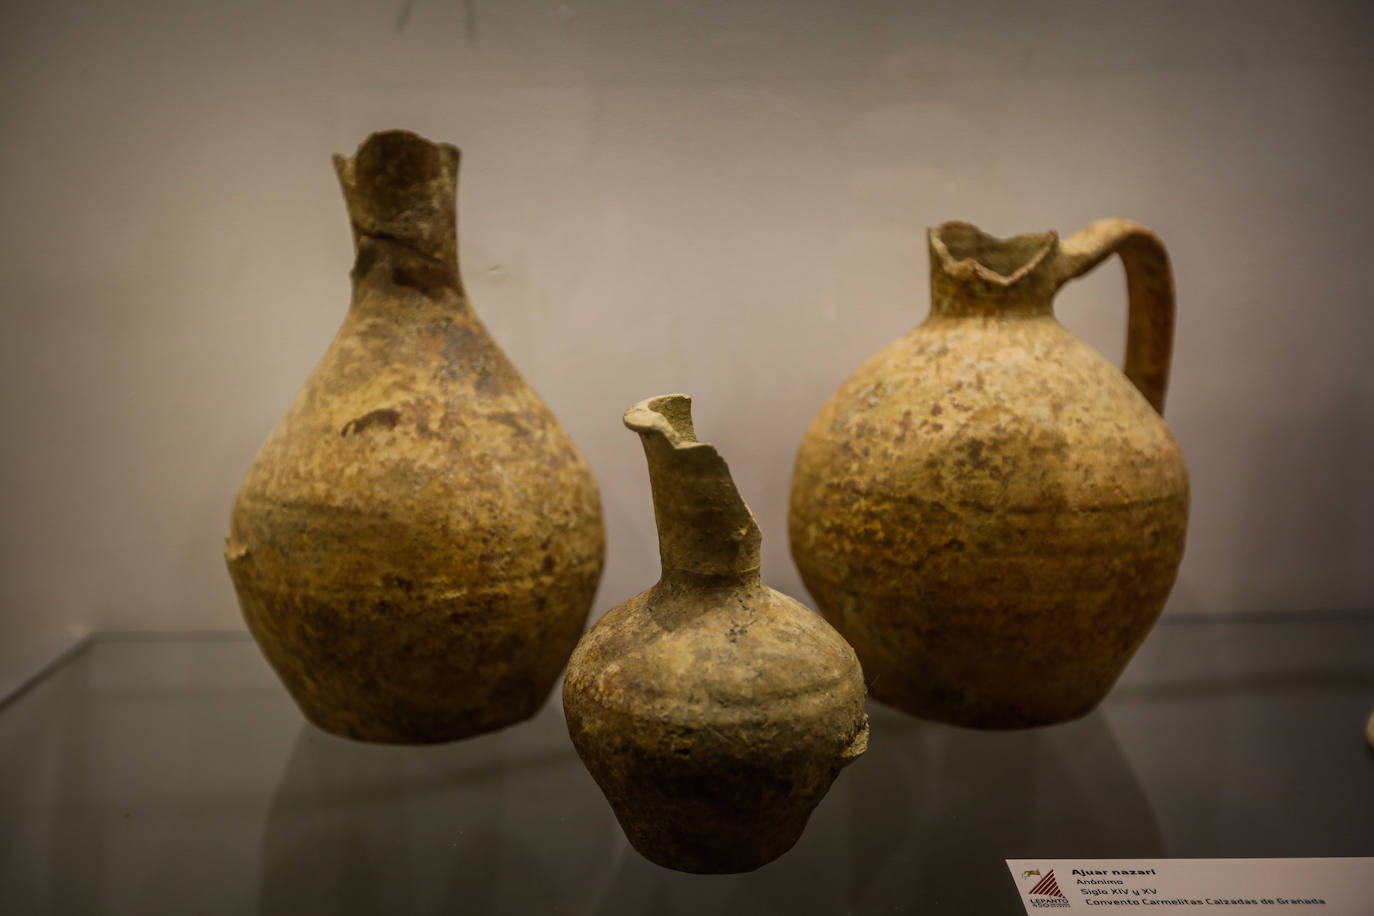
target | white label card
[{"x": 1235, "y": 887}]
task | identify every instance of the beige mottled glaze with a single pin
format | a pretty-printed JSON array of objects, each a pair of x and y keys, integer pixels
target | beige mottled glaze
[
  {"x": 417, "y": 544},
  {"x": 713, "y": 711},
  {"x": 988, "y": 510}
]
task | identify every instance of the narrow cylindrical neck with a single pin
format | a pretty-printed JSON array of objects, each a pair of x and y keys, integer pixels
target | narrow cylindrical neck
[
  {"x": 705, "y": 529},
  {"x": 973, "y": 273},
  {"x": 400, "y": 190}
]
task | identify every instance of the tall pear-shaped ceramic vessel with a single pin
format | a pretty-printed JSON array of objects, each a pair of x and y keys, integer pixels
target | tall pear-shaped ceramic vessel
[
  {"x": 417, "y": 544},
  {"x": 988, "y": 510},
  {"x": 713, "y": 711}
]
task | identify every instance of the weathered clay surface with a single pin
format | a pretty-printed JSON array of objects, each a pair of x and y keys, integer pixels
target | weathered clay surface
[
  {"x": 713, "y": 711},
  {"x": 417, "y": 544},
  {"x": 988, "y": 510}
]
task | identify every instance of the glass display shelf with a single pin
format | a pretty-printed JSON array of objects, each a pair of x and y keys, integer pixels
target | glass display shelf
[{"x": 172, "y": 774}]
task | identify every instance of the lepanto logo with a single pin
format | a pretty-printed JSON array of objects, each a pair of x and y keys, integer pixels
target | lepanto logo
[{"x": 1045, "y": 888}]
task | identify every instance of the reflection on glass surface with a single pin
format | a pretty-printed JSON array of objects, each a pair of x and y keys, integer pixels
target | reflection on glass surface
[
  {"x": 476, "y": 826},
  {"x": 166, "y": 775},
  {"x": 962, "y": 793}
]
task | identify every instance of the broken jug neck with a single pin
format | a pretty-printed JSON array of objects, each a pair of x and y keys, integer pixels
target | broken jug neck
[
  {"x": 706, "y": 533},
  {"x": 973, "y": 273},
  {"x": 400, "y": 190}
]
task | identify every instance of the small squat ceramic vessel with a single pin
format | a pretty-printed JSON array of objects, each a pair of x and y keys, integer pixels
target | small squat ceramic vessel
[
  {"x": 417, "y": 544},
  {"x": 713, "y": 711},
  {"x": 988, "y": 510}
]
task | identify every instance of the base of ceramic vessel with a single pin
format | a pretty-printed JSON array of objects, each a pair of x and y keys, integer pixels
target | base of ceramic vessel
[
  {"x": 717, "y": 846},
  {"x": 1007, "y": 695},
  {"x": 423, "y": 671},
  {"x": 432, "y": 728},
  {"x": 1000, "y": 665},
  {"x": 940, "y": 706},
  {"x": 723, "y": 804},
  {"x": 388, "y": 703}
]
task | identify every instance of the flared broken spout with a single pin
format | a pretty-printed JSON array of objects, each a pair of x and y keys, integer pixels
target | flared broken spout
[
  {"x": 401, "y": 188},
  {"x": 973, "y": 273},
  {"x": 705, "y": 528}
]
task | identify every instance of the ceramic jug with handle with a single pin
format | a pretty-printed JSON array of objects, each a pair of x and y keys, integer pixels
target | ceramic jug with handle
[{"x": 989, "y": 511}]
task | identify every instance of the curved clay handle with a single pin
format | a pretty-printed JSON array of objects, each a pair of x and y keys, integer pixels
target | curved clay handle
[{"x": 1150, "y": 288}]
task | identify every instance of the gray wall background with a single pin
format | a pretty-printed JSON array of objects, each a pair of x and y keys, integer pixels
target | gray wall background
[{"x": 727, "y": 198}]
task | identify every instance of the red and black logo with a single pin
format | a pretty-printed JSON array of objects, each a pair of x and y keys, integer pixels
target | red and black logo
[{"x": 1047, "y": 886}]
